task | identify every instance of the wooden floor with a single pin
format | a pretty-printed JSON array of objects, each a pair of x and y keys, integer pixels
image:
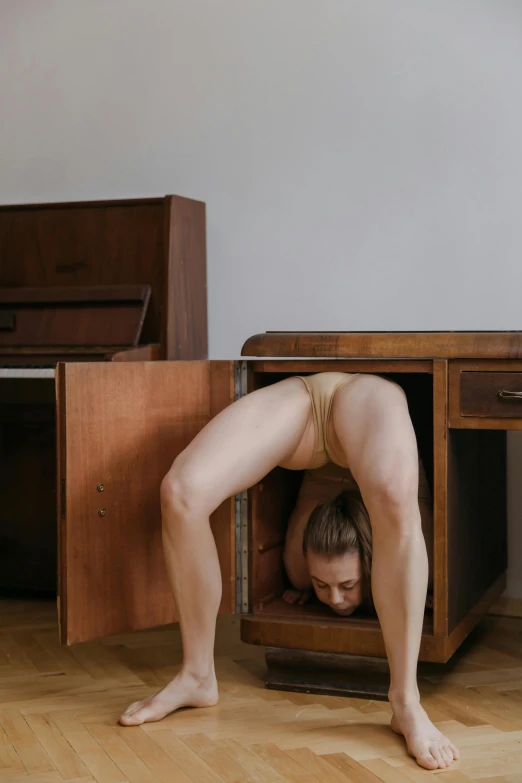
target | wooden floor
[{"x": 59, "y": 710}]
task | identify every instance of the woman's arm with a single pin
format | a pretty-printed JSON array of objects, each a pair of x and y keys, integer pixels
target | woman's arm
[{"x": 293, "y": 558}]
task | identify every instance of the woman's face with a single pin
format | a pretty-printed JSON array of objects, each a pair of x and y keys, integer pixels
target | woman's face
[{"x": 337, "y": 580}]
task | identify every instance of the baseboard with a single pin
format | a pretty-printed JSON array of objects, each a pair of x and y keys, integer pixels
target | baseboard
[{"x": 507, "y": 607}]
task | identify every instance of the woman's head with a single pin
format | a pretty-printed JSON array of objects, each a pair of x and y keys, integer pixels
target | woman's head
[{"x": 337, "y": 545}]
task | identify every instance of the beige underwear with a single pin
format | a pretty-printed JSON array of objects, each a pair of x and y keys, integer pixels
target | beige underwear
[
  {"x": 322, "y": 388},
  {"x": 330, "y": 476}
]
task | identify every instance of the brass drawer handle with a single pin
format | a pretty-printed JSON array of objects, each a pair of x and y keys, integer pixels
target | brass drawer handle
[{"x": 504, "y": 394}]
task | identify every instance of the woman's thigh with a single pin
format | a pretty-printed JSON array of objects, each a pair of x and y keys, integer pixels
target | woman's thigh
[
  {"x": 244, "y": 442},
  {"x": 372, "y": 428}
]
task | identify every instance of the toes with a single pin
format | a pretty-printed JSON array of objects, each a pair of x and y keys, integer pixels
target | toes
[
  {"x": 133, "y": 715},
  {"x": 131, "y": 720},
  {"x": 437, "y": 755},
  {"x": 126, "y": 716},
  {"x": 427, "y": 761},
  {"x": 140, "y": 716}
]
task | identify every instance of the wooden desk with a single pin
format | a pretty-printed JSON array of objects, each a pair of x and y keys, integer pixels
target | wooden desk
[{"x": 112, "y": 577}]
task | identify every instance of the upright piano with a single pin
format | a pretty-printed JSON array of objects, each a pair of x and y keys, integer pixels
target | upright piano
[{"x": 82, "y": 282}]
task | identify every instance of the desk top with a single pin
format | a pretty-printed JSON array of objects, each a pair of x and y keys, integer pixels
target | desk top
[{"x": 386, "y": 345}]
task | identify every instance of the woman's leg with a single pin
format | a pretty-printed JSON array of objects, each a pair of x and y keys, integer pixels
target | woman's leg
[
  {"x": 234, "y": 451},
  {"x": 372, "y": 426}
]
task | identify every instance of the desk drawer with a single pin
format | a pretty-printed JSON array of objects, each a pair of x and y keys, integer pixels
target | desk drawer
[{"x": 491, "y": 394}]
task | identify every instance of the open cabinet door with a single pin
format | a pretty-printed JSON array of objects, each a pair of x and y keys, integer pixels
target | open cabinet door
[{"x": 120, "y": 426}]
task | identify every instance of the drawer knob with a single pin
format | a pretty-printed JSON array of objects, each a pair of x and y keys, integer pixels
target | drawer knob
[{"x": 504, "y": 394}]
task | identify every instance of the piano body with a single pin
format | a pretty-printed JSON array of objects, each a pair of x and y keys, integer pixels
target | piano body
[{"x": 82, "y": 282}]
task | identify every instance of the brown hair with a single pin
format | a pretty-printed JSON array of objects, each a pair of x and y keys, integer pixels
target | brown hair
[{"x": 339, "y": 527}]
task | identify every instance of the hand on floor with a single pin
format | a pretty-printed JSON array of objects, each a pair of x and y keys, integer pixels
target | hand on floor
[{"x": 293, "y": 596}]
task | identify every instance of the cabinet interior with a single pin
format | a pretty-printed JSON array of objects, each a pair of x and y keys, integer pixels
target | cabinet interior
[{"x": 272, "y": 500}]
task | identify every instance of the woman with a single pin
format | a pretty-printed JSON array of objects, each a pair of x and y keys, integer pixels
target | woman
[
  {"x": 330, "y": 527},
  {"x": 360, "y": 422}
]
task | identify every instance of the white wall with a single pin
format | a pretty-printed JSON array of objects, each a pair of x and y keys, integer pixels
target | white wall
[{"x": 360, "y": 159}]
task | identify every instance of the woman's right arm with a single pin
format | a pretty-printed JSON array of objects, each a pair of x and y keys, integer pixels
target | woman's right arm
[{"x": 293, "y": 558}]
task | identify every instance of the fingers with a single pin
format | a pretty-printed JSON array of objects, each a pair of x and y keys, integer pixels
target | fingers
[
  {"x": 291, "y": 596},
  {"x": 297, "y": 596},
  {"x": 305, "y": 597}
]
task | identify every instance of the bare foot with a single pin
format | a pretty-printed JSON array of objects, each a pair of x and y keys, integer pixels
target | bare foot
[
  {"x": 183, "y": 691},
  {"x": 430, "y": 748}
]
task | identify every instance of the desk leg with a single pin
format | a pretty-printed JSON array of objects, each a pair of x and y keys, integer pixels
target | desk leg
[{"x": 327, "y": 674}]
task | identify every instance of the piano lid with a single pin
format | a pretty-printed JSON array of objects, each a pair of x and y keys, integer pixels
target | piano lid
[{"x": 72, "y": 316}]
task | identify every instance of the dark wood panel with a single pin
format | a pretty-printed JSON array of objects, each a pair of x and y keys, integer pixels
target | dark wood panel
[
  {"x": 94, "y": 243},
  {"x": 477, "y": 518},
  {"x": 270, "y": 505},
  {"x": 278, "y": 608},
  {"x": 75, "y": 326},
  {"x": 120, "y": 426},
  {"x": 328, "y": 674},
  {"x": 159, "y": 242},
  {"x": 7, "y": 321},
  {"x": 474, "y": 616},
  {"x": 301, "y": 366},
  {"x": 486, "y": 423},
  {"x": 485, "y": 365},
  {"x": 355, "y": 637},
  {"x": 185, "y": 329},
  {"x": 487, "y": 394},
  {"x": 11, "y": 352},
  {"x": 73, "y": 316},
  {"x": 102, "y": 294},
  {"x": 36, "y": 356},
  {"x": 338, "y": 674},
  {"x": 456, "y": 419},
  {"x": 28, "y": 391},
  {"x": 142, "y": 353},
  {"x": 102, "y": 203},
  {"x": 386, "y": 345},
  {"x": 27, "y": 487}
]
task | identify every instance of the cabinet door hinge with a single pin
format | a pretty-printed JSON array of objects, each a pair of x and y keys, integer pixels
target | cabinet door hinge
[
  {"x": 240, "y": 379},
  {"x": 240, "y": 385},
  {"x": 242, "y": 553}
]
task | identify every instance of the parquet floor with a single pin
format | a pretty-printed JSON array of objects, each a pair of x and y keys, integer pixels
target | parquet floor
[{"x": 59, "y": 710}]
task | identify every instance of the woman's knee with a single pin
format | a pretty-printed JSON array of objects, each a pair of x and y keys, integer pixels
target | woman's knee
[
  {"x": 392, "y": 495},
  {"x": 181, "y": 493}
]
